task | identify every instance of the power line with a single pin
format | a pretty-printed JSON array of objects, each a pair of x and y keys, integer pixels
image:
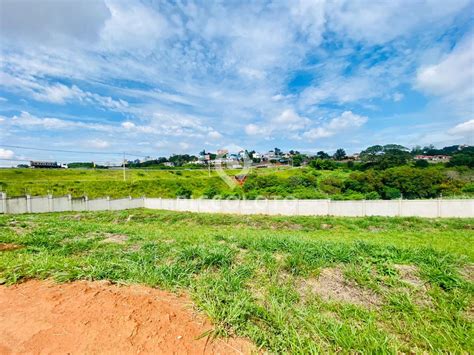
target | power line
[
  {"x": 69, "y": 151},
  {"x": 118, "y": 162}
]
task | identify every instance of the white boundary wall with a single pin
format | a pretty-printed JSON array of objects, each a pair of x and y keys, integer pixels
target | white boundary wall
[
  {"x": 43, "y": 204},
  {"x": 392, "y": 208},
  {"x": 405, "y": 208}
]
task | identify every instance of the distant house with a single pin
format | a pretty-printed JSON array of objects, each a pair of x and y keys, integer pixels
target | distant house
[
  {"x": 44, "y": 165},
  {"x": 433, "y": 158},
  {"x": 168, "y": 163},
  {"x": 270, "y": 155}
]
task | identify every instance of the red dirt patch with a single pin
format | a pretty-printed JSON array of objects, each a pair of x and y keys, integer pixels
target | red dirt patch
[
  {"x": 95, "y": 317},
  {"x": 9, "y": 246}
]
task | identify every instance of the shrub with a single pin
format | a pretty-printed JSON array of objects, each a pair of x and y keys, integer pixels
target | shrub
[
  {"x": 391, "y": 193},
  {"x": 372, "y": 196},
  {"x": 420, "y": 163},
  {"x": 322, "y": 164},
  {"x": 469, "y": 188},
  {"x": 183, "y": 192},
  {"x": 331, "y": 185}
]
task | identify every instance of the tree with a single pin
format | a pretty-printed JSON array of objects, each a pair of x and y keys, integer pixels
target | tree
[
  {"x": 183, "y": 192},
  {"x": 384, "y": 157},
  {"x": 340, "y": 154},
  {"x": 421, "y": 163},
  {"x": 277, "y": 152},
  {"x": 465, "y": 157},
  {"x": 297, "y": 160},
  {"x": 322, "y": 155},
  {"x": 322, "y": 164}
]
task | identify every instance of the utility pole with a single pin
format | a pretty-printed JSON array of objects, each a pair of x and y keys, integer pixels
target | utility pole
[{"x": 124, "y": 166}]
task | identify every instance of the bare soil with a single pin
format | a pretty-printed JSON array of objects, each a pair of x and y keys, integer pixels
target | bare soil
[
  {"x": 9, "y": 246},
  {"x": 97, "y": 317},
  {"x": 115, "y": 238},
  {"x": 332, "y": 286},
  {"x": 467, "y": 272},
  {"x": 418, "y": 288},
  {"x": 409, "y": 274}
]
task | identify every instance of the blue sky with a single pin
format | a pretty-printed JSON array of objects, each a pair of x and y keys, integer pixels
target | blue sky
[{"x": 156, "y": 78}]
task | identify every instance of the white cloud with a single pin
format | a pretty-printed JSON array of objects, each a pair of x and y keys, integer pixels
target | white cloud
[
  {"x": 184, "y": 146},
  {"x": 289, "y": 120},
  {"x": 285, "y": 123},
  {"x": 463, "y": 129},
  {"x": 310, "y": 17},
  {"x": 30, "y": 121},
  {"x": 132, "y": 27},
  {"x": 383, "y": 21},
  {"x": 342, "y": 90},
  {"x": 128, "y": 125},
  {"x": 233, "y": 148},
  {"x": 50, "y": 21},
  {"x": 98, "y": 143},
  {"x": 214, "y": 135},
  {"x": 398, "y": 96},
  {"x": 453, "y": 77},
  {"x": 58, "y": 93},
  {"x": 342, "y": 123},
  {"x": 6, "y": 154},
  {"x": 252, "y": 73},
  {"x": 252, "y": 129},
  {"x": 318, "y": 132},
  {"x": 346, "y": 120}
]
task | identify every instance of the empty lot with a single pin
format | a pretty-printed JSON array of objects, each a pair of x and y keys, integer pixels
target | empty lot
[{"x": 296, "y": 284}]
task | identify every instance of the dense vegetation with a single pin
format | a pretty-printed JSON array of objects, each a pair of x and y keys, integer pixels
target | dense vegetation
[
  {"x": 382, "y": 172},
  {"x": 407, "y": 282},
  {"x": 341, "y": 182}
]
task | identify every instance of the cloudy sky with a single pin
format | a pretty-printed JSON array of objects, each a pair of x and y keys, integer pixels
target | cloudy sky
[{"x": 156, "y": 77}]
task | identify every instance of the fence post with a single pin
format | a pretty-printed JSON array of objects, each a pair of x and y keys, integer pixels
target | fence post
[
  {"x": 86, "y": 202},
  {"x": 4, "y": 202},
  {"x": 50, "y": 203},
  {"x": 108, "y": 203},
  {"x": 69, "y": 201},
  {"x": 28, "y": 203},
  {"x": 439, "y": 208}
]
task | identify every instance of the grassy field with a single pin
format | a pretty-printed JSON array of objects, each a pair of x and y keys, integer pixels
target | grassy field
[
  {"x": 139, "y": 182},
  {"x": 292, "y": 284}
]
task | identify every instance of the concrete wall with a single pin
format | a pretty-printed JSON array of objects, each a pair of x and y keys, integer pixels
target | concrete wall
[
  {"x": 416, "y": 208},
  {"x": 42, "y": 204}
]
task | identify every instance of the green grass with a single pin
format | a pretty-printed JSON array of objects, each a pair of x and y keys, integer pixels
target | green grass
[
  {"x": 246, "y": 272},
  {"x": 139, "y": 182}
]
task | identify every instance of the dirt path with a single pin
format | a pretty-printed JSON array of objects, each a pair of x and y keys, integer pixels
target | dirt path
[{"x": 93, "y": 317}]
